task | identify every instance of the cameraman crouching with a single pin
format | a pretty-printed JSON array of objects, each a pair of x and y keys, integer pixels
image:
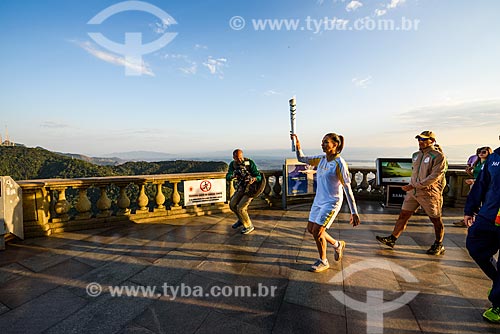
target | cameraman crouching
[{"x": 249, "y": 183}]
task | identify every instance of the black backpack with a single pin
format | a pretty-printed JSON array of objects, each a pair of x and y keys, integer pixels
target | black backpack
[{"x": 256, "y": 188}]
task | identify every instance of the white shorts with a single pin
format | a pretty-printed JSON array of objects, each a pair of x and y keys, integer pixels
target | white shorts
[{"x": 324, "y": 215}]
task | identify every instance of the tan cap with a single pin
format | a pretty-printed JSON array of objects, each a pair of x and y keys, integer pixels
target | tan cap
[{"x": 426, "y": 134}]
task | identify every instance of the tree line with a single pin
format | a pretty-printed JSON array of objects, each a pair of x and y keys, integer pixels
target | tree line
[{"x": 26, "y": 163}]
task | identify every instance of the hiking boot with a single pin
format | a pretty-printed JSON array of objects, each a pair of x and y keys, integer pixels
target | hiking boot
[
  {"x": 247, "y": 230},
  {"x": 388, "y": 241},
  {"x": 237, "y": 224},
  {"x": 320, "y": 266},
  {"x": 436, "y": 249},
  {"x": 339, "y": 251},
  {"x": 492, "y": 315}
]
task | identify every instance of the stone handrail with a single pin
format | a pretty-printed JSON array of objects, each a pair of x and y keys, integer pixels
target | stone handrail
[{"x": 56, "y": 205}]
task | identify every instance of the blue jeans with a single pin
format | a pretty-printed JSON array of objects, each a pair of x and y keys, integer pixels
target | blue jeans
[{"x": 483, "y": 242}]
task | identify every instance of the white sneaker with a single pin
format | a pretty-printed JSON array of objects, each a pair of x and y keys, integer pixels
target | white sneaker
[
  {"x": 339, "y": 251},
  {"x": 320, "y": 266},
  {"x": 248, "y": 229}
]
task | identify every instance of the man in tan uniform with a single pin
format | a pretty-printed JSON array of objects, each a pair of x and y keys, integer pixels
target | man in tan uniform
[{"x": 425, "y": 190}]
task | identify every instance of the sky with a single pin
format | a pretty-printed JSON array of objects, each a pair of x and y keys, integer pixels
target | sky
[{"x": 189, "y": 77}]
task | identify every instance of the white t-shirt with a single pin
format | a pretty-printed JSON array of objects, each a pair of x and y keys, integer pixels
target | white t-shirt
[{"x": 332, "y": 177}]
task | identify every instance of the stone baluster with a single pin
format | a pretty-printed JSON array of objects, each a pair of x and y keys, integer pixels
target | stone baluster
[
  {"x": 103, "y": 203},
  {"x": 354, "y": 183},
  {"x": 375, "y": 186},
  {"x": 364, "y": 183},
  {"x": 176, "y": 197},
  {"x": 142, "y": 199},
  {"x": 159, "y": 198},
  {"x": 267, "y": 188},
  {"x": 83, "y": 205},
  {"x": 62, "y": 206},
  {"x": 123, "y": 202},
  {"x": 277, "y": 186}
]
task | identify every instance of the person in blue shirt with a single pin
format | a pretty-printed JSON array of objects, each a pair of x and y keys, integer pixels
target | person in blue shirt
[{"x": 482, "y": 216}]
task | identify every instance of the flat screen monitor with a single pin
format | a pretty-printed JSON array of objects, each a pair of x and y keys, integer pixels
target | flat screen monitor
[{"x": 394, "y": 171}]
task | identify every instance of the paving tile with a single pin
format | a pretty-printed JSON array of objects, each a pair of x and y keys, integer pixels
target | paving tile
[
  {"x": 3, "y": 308},
  {"x": 111, "y": 274},
  {"x": 169, "y": 316},
  {"x": 97, "y": 254},
  {"x": 219, "y": 323},
  {"x": 45, "y": 260},
  {"x": 19, "y": 251},
  {"x": 257, "y": 294},
  {"x": 41, "y": 313},
  {"x": 474, "y": 289},
  {"x": 67, "y": 270},
  {"x": 169, "y": 269},
  {"x": 450, "y": 314},
  {"x": 293, "y": 318},
  {"x": 220, "y": 270},
  {"x": 97, "y": 257},
  {"x": 135, "y": 329},
  {"x": 205, "y": 242},
  {"x": 17, "y": 292},
  {"x": 13, "y": 271},
  {"x": 399, "y": 321},
  {"x": 274, "y": 259},
  {"x": 105, "y": 314},
  {"x": 312, "y": 290}
]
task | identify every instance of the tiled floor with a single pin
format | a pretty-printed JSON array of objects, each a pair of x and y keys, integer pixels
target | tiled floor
[{"x": 196, "y": 266}]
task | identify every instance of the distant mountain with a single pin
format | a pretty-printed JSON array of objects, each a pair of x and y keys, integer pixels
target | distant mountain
[
  {"x": 23, "y": 163},
  {"x": 140, "y": 156},
  {"x": 113, "y": 161}
]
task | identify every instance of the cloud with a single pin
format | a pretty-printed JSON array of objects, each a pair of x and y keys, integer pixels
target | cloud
[
  {"x": 160, "y": 27},
  {"x": 115, "y": 60},
  {"x": 395, "y": 3},
  {"x": 54, "y": 125},
  {"x": 175, "y": 56},
  {"x": 353, "y": 5},
  {"x": 392, "y": 5},
  {"x": 271, "y": 92},
  {"x": 184, "y": 63},
  {"x": 190, "y": 69},
  {"x": 200, "y": 46},
  {"x": 215, "y": 66},
  {"x": 456, "y": 115},
  {"x": 362, "y": 83}
]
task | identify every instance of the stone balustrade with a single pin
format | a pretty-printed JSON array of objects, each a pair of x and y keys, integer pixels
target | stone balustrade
[{"x": 56, "y": 205}]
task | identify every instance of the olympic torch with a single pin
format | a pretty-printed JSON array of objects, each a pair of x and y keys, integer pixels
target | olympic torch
[{"x": 293, "y": 108}]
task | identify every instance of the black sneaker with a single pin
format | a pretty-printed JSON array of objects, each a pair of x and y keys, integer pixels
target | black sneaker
[
  {"x": 237, "y": 224},
  {"x": 388, "y": 241},
  {"x": 436, "y": 249}
]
